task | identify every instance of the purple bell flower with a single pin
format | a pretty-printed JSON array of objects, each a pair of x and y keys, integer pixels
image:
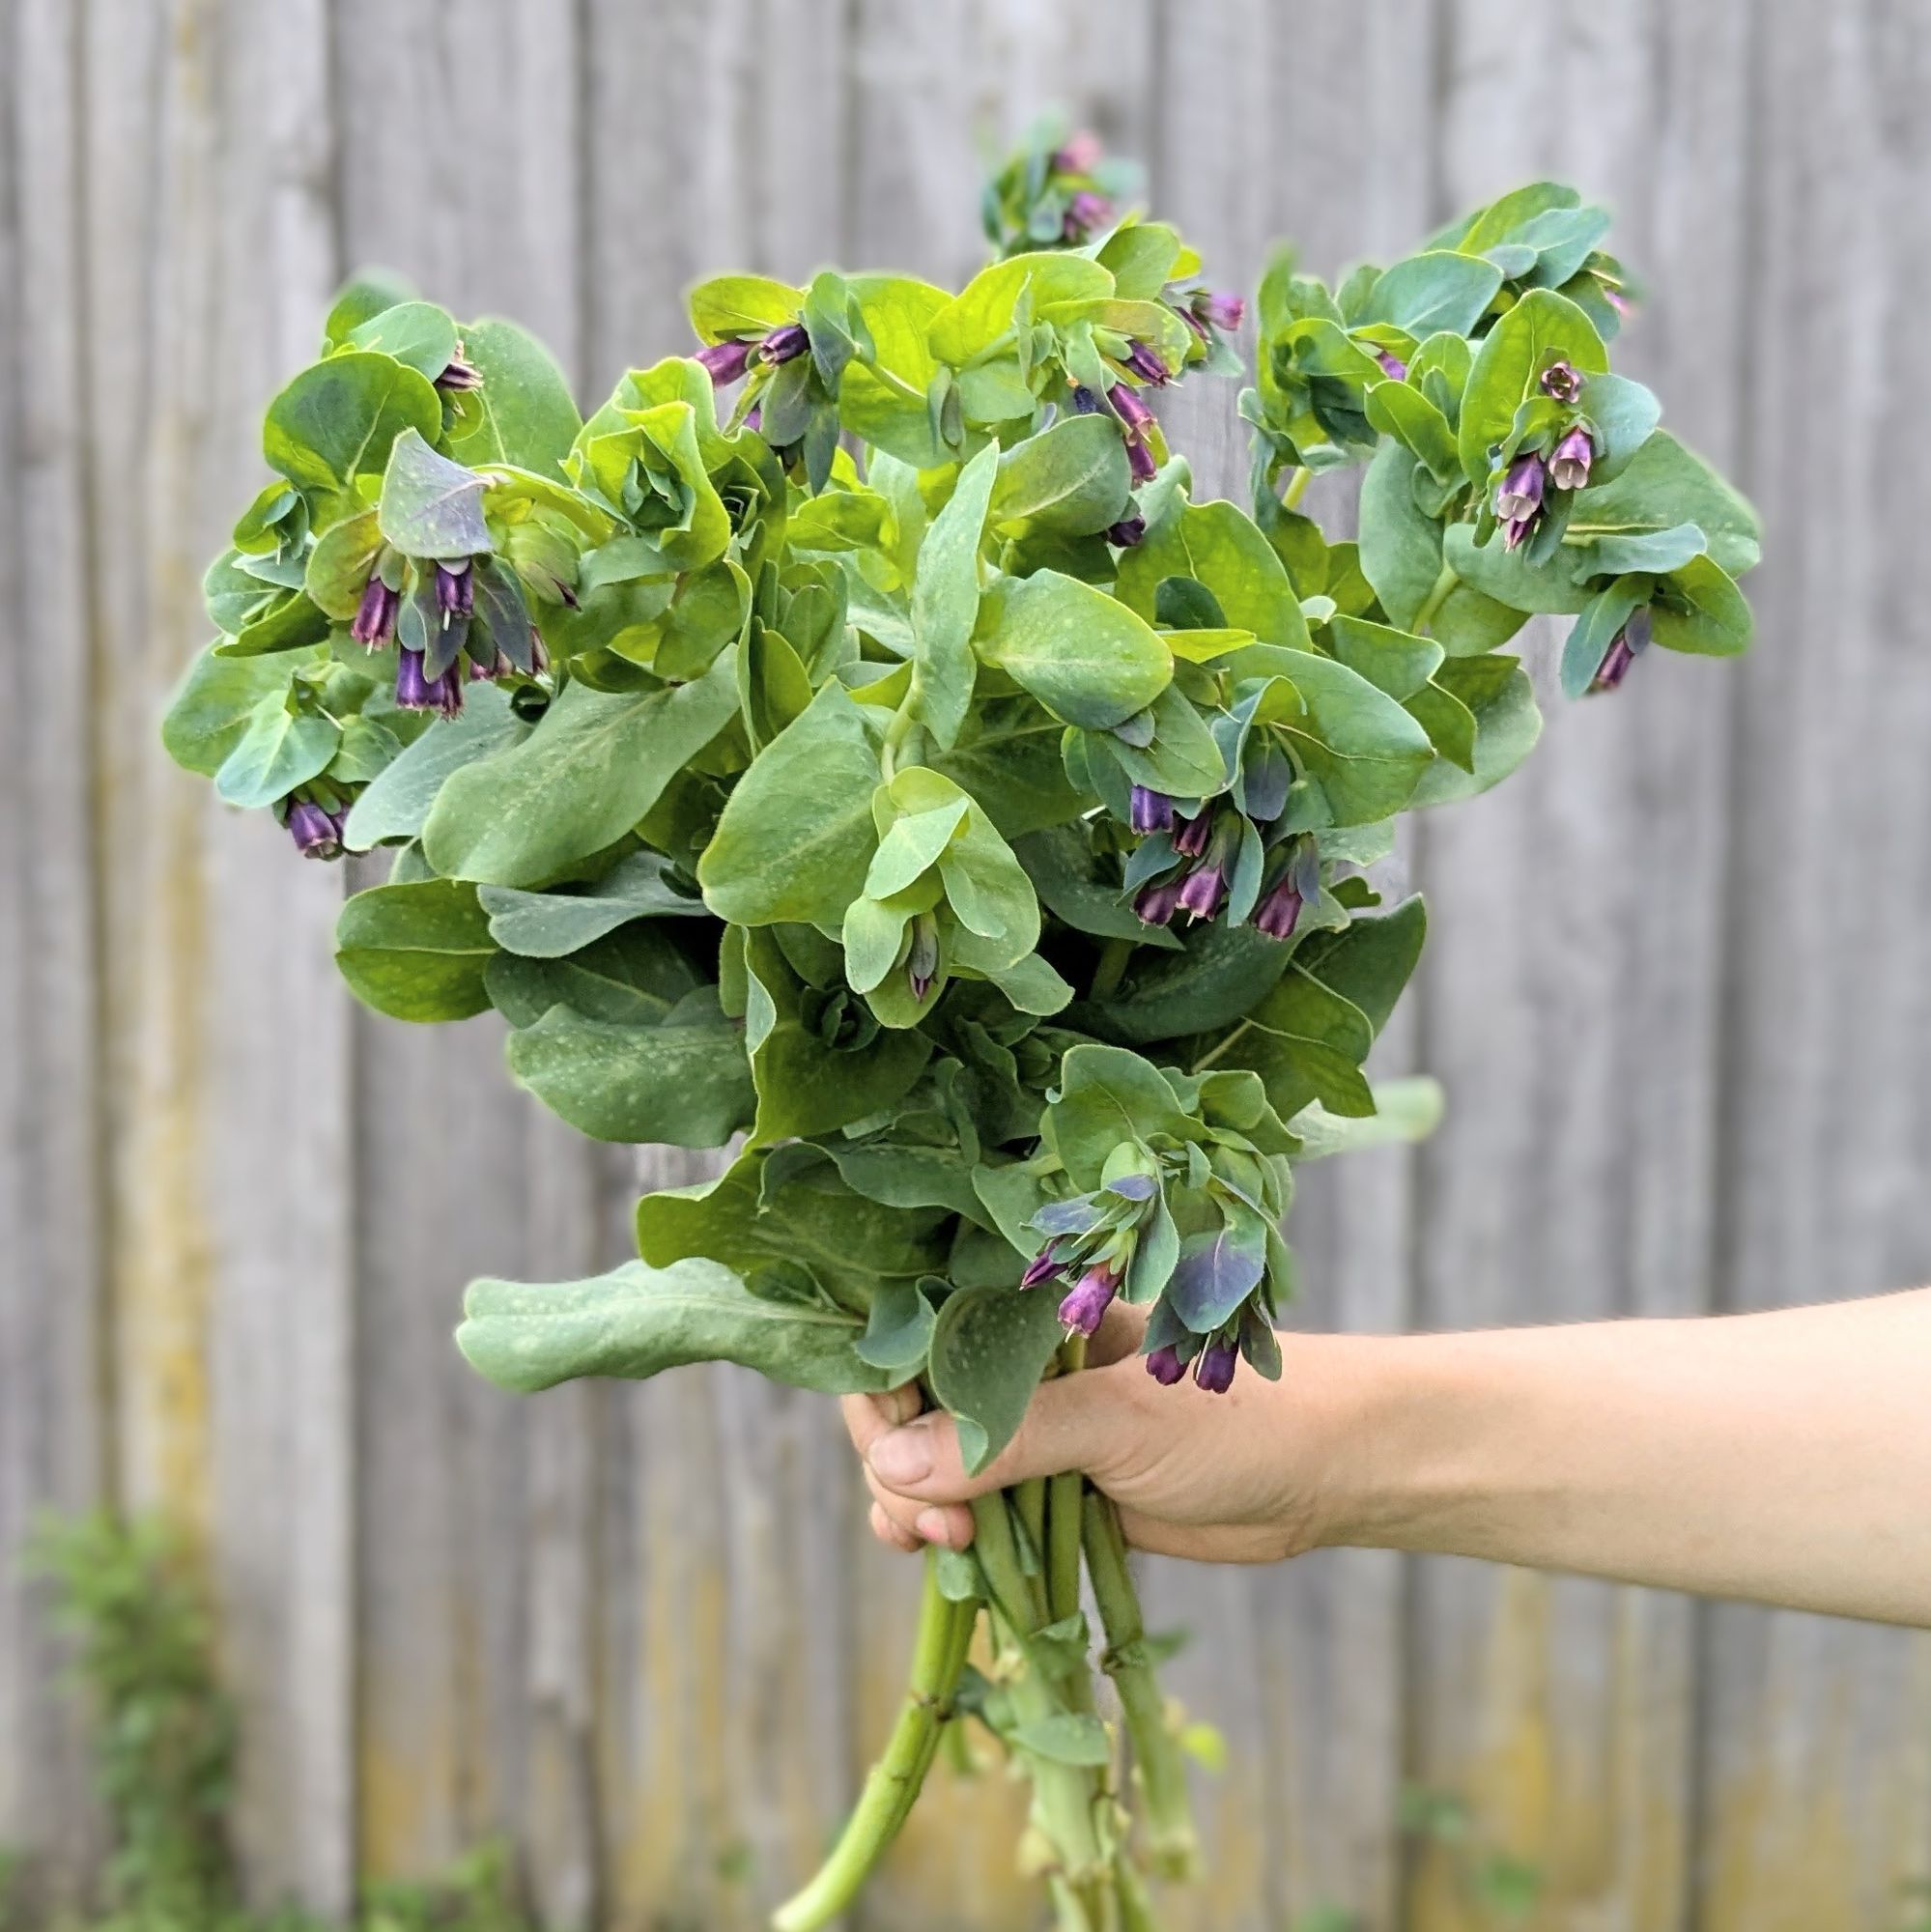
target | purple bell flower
[
  {"x": 1091, "y": 1296},
  {"x": 1628, "y": 643},
  {"x": 1214, "y": 1371},
  {"x": 1127, "y": 531},
  {"x": 1165, "y": 1366},
  {"x": 1203, "y": 890},
  {"x": 785, "y": 343},
  {"x": 1562, "y": 380},
  {"x": 445, "y": 694},
  {"x": 459, "y": 375},
  {"x": 413, "y": 692},
  {"x": 1148, "y": 363},
  {"x": 1216, "y": 310},
  {"x": 724, "y": 362},
  {"x": 1085, "y": 402},
  {"x": 376, "y": 615},
  {"x": 1151, "y": 810},
  {"x": 455, "y": 592},
  {"x": 1131, "y": 411},
  {"x": 1079, "y": 155},
  {"x": 316, "y": 834},
  {"x": 1085, "y": 211},
  {"x": 1518, "y": 501},
  {"x": 1392, "y": 365},
  {"x": 1140, "y": 461},
  {"x": 1157, "y": 905},
  {"x": 1191, "y": 835},
  {"x": 1044, "y": 1266},
  {"x": 1569, "y": 467},
  {"x": 1279, "y": 911}
]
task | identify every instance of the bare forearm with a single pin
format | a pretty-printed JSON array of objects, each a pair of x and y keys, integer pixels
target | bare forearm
[{"x": 1784, "y": 1457}]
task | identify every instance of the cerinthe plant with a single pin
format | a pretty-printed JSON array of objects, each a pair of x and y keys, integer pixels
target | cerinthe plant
[{"x": 894, "y": 765}]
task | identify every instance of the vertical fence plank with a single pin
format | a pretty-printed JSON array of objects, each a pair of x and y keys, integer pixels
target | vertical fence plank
[
  {"x": 1818, "y": 1805},
  {"x": 52, "y": 1425}
]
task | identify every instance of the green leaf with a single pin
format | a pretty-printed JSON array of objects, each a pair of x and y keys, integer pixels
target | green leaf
[
  {"x": 806, "y": 1082},
  {"x": 1068, "y": 878},
  {"x": 1666, "y": 485},
  {"x": 1513, "y": 577},
  {"x": 1220, "y": 547},
  {"x": 594, "y": 765},
  {"x": 280, "y": 749},
  {"x": 1404, "y": 1110},
  {"x": 899, "y": 1331},
  {"x": 1108, "y": 1097},
  {"x": 944, "y": 602},
  {"x": 1307, "y": 1043},
  {"x": 1371, "y": 960},
  {"x": 1590, "y": 637},
  {"x": 1357, "y": 744},
  {"x": 213, "y": 705},
  {"x": 1435, "y": 290},
  {"x": 1065, "y": 1737},
  {"x": 1401, "y": 544},
  {"x": 1211, "y": 983},
  {"x": 1656, "y": 552},
  {"x": 415, "y": 952},
  {"x": 397, "y": 804},
  {"x": 638, "y": 1320},
  {"x": 1396, "y": 661},
  {"x": 897, "y": 311},
  {"x": 547, "y": 926},
  {"x": 430, "y": 507},
  {"x": 523, "y": 415},
  {"x": 802, "y": 1215},
  {"x": 418, "y": 335},
  {"x": 1084, "y": 655},
  {"x": 989, "y": 1348},
  {"x": 1009, "y": 759},
  {"x": 1071, "y": 479},
  {"x": 1701, "y": 611},
  {"x": 728, "y": 306},
  {"x": 983, "y": 310},
  {"x": 797, "y": 831},
  {"x": 366, "y": 294},
  {"x": 1542, "y": 329},
  {"x": 633, "y": 976},
  {"x": 1507, "y": 726},
  {"x": 336, "y": 420},
  {"x": 684, "y": 1082}
]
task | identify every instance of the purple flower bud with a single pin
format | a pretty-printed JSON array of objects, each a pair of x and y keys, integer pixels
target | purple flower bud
[
  {"x": 1280, "y": 910},
  {"x": 1624, "y": 649},
  {"x": 1569, "y": 467},
  {"x": 1165, "y": 1366},
  {"x": 1562, "y": 380},
  {"x": 1518, "y": 501},
  {"x": 1217, "y": 310},
  {"x": 375, "y": 616},
  {"x": 455, "y": 592},
  {"x": 1392, "y": 365},
  {"x": 1214, "y": 1371},
  {"x": 446, "y": 694},
  {"x": 754, "y": 418},
  {"x": 1618, "y": 300},
  {"x": 1086, "y": 211},
  {"x": 922, "y": 963},
  {"x": 1204, "y": 891},
  {"x": 1131, "y": 411},
  {"x": 1127, "y": 531},
  {"x": 316, "y": 834},
  {"x": 1191, "y": 835},
  {"x": 1148, "y": 364},
  {"x": 1155, "y": 905},
  {"x": 1090, "y": 1298},
  {"x": 1140, "y": 461},
  {"x": 413, "y": 692},
  {"x": 1079, "y": 156},
  {"x": 1151, "y": 810},
  {"x": 783, "y": 344},
  {"x": 1085, "y": 402},
  {"x": 1044, "y": 1265},
  {"x": 459, "y": 375},
  {"x": 724, "y": 362}
]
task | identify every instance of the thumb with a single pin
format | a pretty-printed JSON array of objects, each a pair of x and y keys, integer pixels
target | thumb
[{"x": 1075, "y": 1422}]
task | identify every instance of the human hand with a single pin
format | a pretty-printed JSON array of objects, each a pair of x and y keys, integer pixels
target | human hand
[{"x": 1235, "y": 1478}]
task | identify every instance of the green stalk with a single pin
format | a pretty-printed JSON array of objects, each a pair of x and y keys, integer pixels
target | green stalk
[
  {"x": 1171, "y": 1840},
  {"x": 1437, "y": 597},
  {"x": 1065, "y": 1796},
  {"x": 937, "y": 1658},
  {"x": 1065, "y": 1509},
  {"x": 1111, "y": 970}
]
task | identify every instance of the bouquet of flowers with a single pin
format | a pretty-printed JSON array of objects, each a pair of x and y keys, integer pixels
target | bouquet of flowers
[{"x": 854, "y": 742}]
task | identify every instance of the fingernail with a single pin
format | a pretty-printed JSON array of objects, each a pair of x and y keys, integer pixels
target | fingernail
[
  {"x": 901, "y": 1455},
  {"x": 899, "y": 1405},
  {"x": 931, "y": 1524}
]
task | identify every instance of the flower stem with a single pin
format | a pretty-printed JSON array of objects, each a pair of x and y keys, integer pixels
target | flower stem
[
  {"x": 1437, "y": 596},
  {"x": 1297, "y": 488},
  {"x": 1112, "y": 967},
  {"x": 1157, "y": 1752},
  {"x": 938, "y": 1658}
]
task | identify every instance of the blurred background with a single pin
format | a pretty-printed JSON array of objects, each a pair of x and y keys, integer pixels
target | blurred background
[{"x": 1678, "y": 985}]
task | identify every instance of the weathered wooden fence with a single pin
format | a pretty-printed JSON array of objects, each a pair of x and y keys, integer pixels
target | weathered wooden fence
[{"x": 1678, "y": 984}]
